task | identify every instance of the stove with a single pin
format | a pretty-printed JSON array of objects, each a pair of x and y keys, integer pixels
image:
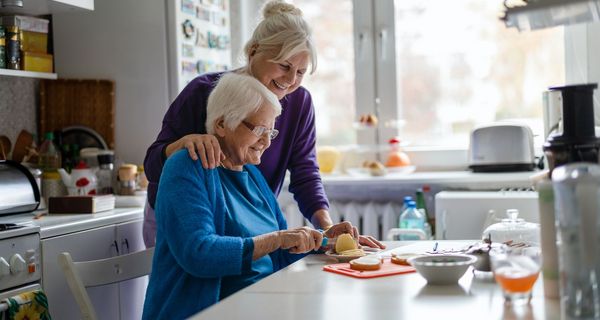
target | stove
[{"x": 20, "y": 259}]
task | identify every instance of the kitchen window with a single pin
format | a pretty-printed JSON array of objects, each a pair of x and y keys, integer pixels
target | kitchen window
[{"x": 431, "y": 71}]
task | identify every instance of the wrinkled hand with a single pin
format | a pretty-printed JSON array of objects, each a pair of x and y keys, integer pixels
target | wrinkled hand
[
  {"x": 300, "y": 240},
  {"x": 204, "y": 146},
  {"x": 347, "y": 227}
]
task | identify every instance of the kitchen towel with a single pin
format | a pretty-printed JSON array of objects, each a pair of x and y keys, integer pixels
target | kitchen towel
[{"x": 28, "y": 305}]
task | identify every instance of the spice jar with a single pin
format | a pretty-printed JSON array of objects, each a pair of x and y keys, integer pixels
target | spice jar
[
  {"x": 127, "y": 175},
  {"x": 13, "y": 48},
  {"x": 2, "y": 47}
]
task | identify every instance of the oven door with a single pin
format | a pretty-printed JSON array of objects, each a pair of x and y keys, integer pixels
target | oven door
[{"x": 15, "y": 291}]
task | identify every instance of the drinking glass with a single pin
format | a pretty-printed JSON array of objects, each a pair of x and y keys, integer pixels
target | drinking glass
[{"x": 516, "y": 270}]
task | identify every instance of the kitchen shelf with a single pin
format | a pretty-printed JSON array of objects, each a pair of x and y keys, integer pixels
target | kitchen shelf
[
  {"x": 28, "y": 74},
  {"x": 42, "y": 7}
]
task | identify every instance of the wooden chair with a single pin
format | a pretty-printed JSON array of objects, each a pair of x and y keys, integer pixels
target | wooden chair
[{"x": 85, "y": 274}]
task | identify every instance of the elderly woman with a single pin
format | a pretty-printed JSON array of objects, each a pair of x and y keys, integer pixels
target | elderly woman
[
  {"x": 220, "y": 230},
  {"x": 278, "y": 54}
]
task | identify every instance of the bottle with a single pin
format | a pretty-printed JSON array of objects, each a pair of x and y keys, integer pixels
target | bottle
[
  {"x": 412, "y": 218},
  {"x": 404, "y": 207},
  {"x": 106, "y": 173},
  {"x": 49, "y": 155},
  {"x": 421, "y": 206}
]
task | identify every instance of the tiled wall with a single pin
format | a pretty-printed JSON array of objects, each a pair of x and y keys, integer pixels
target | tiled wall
[{"x": 18, "y": 106}]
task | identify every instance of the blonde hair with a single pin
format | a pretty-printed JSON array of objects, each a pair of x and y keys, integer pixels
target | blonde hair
[
  {"x": 283, "y": 31},
  {"x": 235, "y": 97}
]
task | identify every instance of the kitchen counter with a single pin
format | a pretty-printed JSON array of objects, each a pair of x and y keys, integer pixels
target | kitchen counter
[
  {"x": 304, "y": 291},
  {"x": 60, "y": 224}
]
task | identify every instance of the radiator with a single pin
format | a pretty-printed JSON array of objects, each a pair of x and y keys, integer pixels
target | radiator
[{"x": 371, "y": 218}]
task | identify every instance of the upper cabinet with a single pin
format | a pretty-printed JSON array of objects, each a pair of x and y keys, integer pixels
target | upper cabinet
[{"x": 40, "y": 7}]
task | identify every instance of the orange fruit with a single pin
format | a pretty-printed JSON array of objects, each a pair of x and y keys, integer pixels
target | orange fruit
[{"x": 398, "y": 159}]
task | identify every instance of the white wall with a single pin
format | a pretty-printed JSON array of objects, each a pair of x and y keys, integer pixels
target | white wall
[{"x": 124, "y": 41}]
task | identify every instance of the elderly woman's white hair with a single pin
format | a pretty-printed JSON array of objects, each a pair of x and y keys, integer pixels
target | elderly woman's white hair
[
  {"x": 235, "y": 97},
  {"x": 284, "y": 32}
]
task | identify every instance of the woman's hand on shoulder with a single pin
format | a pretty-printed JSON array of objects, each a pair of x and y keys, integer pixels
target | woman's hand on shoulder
[
  {"x": 300, "y": 240},
  {"x": 203, "y": 146}
]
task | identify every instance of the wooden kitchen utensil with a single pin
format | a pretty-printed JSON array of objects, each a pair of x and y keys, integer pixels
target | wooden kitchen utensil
[
  {"x": 24, "y": 141},
  {"x": 5, "y": 146},
  {"x": 68, "y": 102}
]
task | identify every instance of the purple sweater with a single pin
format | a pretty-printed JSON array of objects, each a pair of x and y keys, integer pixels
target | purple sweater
[{"x": 293, "y": 149}]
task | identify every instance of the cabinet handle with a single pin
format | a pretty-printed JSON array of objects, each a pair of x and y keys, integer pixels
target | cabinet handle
[
  {"x": 125, "y": 243},
  {"x": 383, "y": 39},
  {"x": 116, "y": 245}
]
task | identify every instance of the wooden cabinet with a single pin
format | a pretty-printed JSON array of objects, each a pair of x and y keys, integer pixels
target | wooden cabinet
[{"x": 117, "y": 301}]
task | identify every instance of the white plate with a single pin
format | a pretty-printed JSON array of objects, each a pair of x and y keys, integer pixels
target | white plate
[{"x": 390, "y": 171}]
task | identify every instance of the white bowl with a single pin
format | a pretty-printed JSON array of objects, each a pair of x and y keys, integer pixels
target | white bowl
[{"x": 442, "y": 269}]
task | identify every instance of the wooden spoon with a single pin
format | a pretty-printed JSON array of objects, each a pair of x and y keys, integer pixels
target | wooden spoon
[
  {"x": 24, "y": 140},
  {"x": 5, "y": 146}
]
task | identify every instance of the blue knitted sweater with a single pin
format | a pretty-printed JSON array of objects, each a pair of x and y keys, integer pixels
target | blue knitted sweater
[{"x": 193, "y": 253}]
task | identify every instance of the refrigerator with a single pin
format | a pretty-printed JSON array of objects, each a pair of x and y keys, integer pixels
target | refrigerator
[{"x": 198, "y": 33}]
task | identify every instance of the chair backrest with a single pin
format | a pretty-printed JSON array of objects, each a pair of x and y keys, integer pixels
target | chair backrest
[{"x": 85, "y": 274}]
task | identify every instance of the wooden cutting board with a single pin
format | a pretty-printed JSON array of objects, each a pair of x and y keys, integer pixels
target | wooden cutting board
[
  {"x": 70, "y": 102},
  {"x": 387, "y": 269}
]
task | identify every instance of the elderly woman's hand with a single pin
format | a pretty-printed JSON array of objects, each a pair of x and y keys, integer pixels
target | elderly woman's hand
[
  {"x": 347, "y": 227},
  {"x": 300, "y": 240},
  {"x": 205, "y": 146}
]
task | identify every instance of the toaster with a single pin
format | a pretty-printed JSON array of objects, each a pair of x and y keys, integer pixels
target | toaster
[
  {"x": 19, "y": 191},
  {"x": 501, "y": 147}
]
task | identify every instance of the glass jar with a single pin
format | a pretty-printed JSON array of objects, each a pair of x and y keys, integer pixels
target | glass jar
[{"x": 513, "y": 229}]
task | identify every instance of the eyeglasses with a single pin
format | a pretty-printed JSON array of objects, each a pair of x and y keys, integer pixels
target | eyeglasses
[{"x": 260, "y": 131}]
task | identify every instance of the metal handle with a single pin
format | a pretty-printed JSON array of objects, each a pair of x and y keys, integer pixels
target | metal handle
[
  {"x": 125, "y": 243},
  {"x": 116, "y": 245},
  {"x": 383, "y": 39},
  {"x": 362, "y": 38}
]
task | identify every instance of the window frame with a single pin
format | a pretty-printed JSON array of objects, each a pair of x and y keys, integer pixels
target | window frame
[{"x": 376, "y": 17}]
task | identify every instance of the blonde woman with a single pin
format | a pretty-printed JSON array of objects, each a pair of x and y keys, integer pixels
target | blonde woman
[
  {"x": 279, "y": 54},
  {"x": 220, "y": 230}
]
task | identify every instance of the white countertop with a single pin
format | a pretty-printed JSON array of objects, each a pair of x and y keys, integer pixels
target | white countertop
[
  {"x": 304, "y": 291},
  {"x": 59, "y": 224}
]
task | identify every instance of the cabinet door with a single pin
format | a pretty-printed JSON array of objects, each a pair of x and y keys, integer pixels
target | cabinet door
[
  {"x": 132, "y": 292},
  {"x": 91, "y": 244}
]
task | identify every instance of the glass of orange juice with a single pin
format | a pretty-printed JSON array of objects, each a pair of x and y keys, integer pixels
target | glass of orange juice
[{"x": 516, "y": 270}]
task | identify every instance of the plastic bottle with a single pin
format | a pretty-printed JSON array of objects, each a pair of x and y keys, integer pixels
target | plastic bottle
[
  {"x": 404, "y": 207},
  {"x": 412, "y": 218},
  {"x": 49, "y": 155}
]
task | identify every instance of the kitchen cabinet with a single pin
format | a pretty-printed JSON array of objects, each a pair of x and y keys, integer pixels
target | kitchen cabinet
[
  {"x": 43, "y": 7},
  {"x": 40, "y": 7},
  {"x": 117, "y": 301}
]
